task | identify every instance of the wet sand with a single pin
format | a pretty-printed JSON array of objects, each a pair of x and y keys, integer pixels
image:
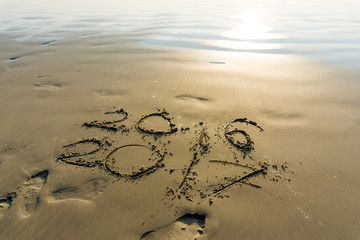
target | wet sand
[{"x": 102, "y": 138}]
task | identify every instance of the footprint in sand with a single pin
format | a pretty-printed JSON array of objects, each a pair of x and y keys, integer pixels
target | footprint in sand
[
  {"x": 190, "y": 98},
  {"x": 46, "y": 82},
  {"x": 6, "y": 202},
  {"x": 188, "y": 227},
  {"x": 86, "y": 192},
  {"x": 31, "y": 191},
  {"x": 111, "y": 92}
]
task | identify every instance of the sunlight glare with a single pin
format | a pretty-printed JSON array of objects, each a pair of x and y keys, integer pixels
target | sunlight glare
[{"x": 251, "y": 28}]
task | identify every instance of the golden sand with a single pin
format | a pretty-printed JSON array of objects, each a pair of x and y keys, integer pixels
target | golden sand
[{"x": 120, "y": 142}]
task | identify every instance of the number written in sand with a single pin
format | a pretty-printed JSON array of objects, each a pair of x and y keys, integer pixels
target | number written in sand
[
  {"x": 113, "y": 159},
  {"x": 80, "y": 153},
  {"x": 144, "y": 124},
  {"x": 233, "y": 133},
  {"x": 155, "y": 158}
]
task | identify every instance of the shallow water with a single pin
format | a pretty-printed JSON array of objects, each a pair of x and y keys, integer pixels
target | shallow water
[{"x": 329, "y": 30}]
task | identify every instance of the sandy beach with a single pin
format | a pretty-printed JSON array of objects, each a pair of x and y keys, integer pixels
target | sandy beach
[{"x": 104, "y": 136}]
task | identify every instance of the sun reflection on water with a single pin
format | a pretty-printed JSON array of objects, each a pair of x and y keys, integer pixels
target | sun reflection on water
[{"x": 251, "y": 28}]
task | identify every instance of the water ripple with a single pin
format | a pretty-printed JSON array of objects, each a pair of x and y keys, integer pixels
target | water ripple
[{"x": 326, "y": 29}]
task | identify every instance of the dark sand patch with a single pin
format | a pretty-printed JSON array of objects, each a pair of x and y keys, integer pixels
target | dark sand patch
[
  {"x": 6, "y": 202},
  {"x": 14, "y": 58},
  {"x": 190, "y": 226}
]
